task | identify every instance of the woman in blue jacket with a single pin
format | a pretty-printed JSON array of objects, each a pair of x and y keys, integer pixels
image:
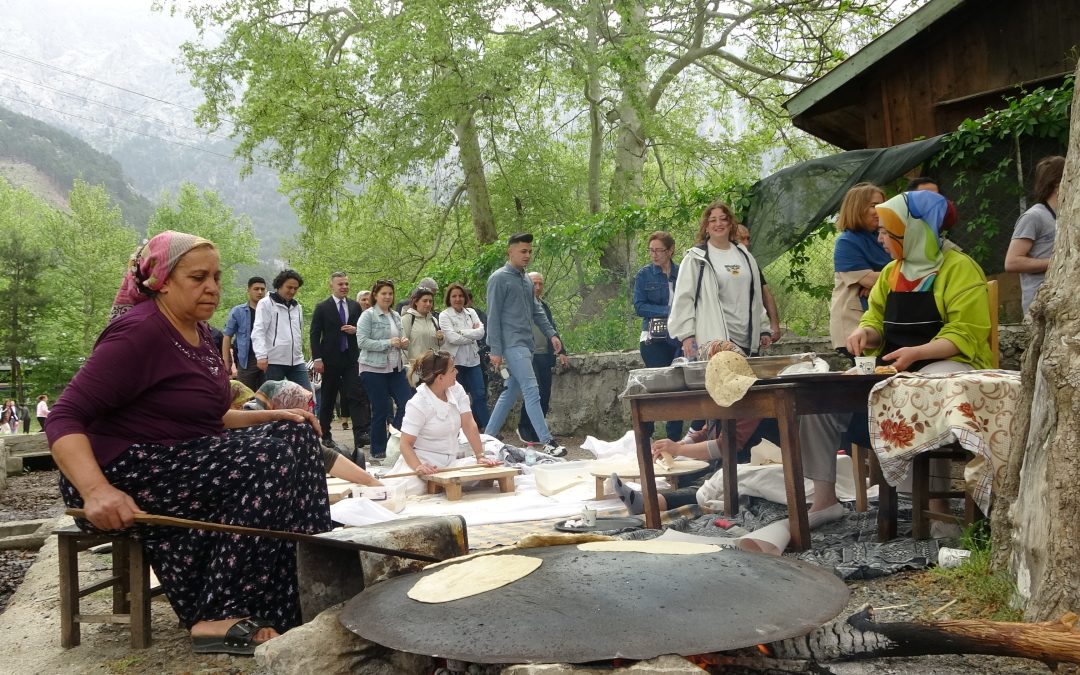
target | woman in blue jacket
[
  {"x": 653, "y": 289},
  {"x": 382, "y": 364}
]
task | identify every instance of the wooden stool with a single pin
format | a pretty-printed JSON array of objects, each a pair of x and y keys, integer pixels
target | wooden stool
[
  {"x": 921, "y": 494},
  {"x": 451, "y": 481},
  {"x": 130, "y": 583},
  {"x": 921, "y": 515}
]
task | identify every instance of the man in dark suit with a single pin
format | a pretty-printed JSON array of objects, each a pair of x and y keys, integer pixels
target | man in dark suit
[{"x": 333, "y": 346}]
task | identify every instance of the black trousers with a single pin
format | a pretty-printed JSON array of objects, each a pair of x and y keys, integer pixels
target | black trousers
[
  {"x": 543, "y": 364},
  {"x": 345, "y": 380}
]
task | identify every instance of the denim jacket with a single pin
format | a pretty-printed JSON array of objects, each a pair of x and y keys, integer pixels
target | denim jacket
[
  {"x": 238, "y": 326},
  {"x": 652, "y": 293},
  {"x": 373, "y": 336}
]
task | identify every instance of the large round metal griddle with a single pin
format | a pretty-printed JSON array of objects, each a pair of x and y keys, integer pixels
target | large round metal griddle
[{"x": 585, "y": 606}]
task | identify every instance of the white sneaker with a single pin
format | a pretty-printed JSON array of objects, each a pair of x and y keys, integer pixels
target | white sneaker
[{"x": 554, "y": 449}]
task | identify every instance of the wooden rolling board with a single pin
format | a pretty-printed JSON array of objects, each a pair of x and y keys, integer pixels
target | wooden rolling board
[
  {"x": 338, "y": 488},
  {"x": 683, "y": 466},
  {"x": 451, "y": 481}
]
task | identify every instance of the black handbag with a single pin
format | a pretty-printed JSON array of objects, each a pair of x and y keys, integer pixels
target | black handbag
[{"x": 658, "y": 328}]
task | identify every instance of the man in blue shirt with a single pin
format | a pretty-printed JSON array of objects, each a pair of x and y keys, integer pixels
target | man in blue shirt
[
  {"x": 238, "y": 325},
  {"x": 512, "y": 311}
]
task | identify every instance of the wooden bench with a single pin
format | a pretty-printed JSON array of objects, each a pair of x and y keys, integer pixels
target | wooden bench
[
  {"x": 452, "y": 481},
  {"x": 129, "y": 580}
]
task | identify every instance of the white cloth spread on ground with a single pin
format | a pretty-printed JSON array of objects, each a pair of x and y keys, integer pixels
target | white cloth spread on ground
[
  {"x": 487, "y": 505},
  {"x": 764, "y": 477}
]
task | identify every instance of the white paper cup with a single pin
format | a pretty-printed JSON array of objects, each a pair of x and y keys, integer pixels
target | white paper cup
[
  {"x": 589, "y": 516},
  {"x": 952, "y": 557},
  {"x": 864, "y": 365}
]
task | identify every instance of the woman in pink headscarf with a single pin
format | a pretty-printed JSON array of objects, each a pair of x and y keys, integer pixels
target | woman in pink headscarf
[{"x": 145, "y": 426}]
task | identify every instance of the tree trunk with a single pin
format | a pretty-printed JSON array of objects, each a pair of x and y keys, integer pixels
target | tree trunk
[
  {"x": 593, "y": 92},
  {"x": 627, "y": 181},
  {"x": 472, "y": 165},
  {"x": 1036, "y": 513}
]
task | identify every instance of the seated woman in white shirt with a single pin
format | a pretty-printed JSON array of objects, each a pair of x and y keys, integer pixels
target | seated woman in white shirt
[{"x": 433, "y": 418}]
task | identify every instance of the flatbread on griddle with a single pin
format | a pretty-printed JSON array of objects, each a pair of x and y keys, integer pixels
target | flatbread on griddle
[{"x": 473, "y": 577}]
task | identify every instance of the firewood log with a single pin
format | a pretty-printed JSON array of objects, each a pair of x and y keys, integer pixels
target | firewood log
[{"x": 860, "y": 637}]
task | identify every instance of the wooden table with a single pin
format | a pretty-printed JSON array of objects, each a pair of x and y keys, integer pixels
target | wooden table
[
  {"x": 682, "y": 467},
  {"x": 451, "y": 481},
  {"x": 782, "y": 398}
]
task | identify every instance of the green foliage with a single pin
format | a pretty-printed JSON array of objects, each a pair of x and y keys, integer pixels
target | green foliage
[
  {"x": 22, "y": 262},
  {"x": 365, "y": 107},
  {"x": 975, "y": 151},
  {"x": 202, "y": 212},
  {"x": 90, "y": 249},
  {"x": 802, "y": 281},
  {"x": 802, "y": 263}
]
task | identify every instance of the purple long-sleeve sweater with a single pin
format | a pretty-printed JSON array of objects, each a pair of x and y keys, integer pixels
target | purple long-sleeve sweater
[{"x": 143, "y": 383}]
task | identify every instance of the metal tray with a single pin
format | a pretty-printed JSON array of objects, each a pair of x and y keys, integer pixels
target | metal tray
[
  {"x": 657, "y": 380},
  {"x": 603, "y": 525},
  {"x": 763, "y": 366}
]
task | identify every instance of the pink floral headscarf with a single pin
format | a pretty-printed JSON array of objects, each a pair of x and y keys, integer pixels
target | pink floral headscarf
[{"x": 149, "y": 267}]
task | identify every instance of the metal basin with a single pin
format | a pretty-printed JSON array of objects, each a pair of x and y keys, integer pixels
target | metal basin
[{"x": 587, "y": 606}]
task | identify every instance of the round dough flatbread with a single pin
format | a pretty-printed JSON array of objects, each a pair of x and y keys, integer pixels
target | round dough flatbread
[
  {"x": 473, "y": 577},
  {"x": 651, "y": 546},
  {"x": 727, "y": 377}
]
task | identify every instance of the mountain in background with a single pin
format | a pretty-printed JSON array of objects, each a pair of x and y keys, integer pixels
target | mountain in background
[
  {"x": 106, "y": 73},
  {"x": 46, "y": 161}
]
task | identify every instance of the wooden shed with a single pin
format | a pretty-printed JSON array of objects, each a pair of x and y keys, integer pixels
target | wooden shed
[{"x": 949, "y": 60}]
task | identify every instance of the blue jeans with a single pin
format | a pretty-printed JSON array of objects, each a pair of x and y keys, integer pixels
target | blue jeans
[
  {"x": 522, "y": 381},
  {"x": 297, "y": 374},
  {"x": 659, "y": 354},
  {"x": 472, "y": 379},
  {"x": 380, "y": 387}
]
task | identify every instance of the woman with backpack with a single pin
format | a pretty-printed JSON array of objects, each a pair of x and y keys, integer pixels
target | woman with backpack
[{"x": 718, "y": 291}]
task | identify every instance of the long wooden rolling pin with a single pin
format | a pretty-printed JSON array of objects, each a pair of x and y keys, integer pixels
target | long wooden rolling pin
[
  {"x": 467, "y": 467},
  {"x": 170, "y": 521}
]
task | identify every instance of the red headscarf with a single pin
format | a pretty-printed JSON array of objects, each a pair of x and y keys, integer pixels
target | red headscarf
[{"x": 149, "y": 267}]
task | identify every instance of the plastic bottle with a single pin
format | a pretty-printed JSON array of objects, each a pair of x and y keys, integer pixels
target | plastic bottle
[{"x": 530, "y": 455}]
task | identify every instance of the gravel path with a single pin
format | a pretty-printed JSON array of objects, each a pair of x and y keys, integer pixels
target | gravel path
[{"x": 27, "y": 497}]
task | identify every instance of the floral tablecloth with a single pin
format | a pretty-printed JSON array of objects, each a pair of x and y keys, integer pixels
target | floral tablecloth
[{"x": 912, "y": 413}]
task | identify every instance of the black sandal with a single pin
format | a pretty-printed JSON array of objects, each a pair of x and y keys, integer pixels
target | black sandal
[{"x": 238, "y": 640}]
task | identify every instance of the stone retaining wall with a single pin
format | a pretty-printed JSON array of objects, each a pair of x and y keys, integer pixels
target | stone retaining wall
[{"x": 585, "y": 397}]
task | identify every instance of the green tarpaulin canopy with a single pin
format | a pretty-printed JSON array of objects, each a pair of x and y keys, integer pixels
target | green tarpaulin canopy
[{"x": 788, "y": 205}]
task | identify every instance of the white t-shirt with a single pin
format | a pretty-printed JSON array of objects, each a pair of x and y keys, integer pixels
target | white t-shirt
[
  {"x": 735, "y": 278},
  {"x": 436, "y": 423}
]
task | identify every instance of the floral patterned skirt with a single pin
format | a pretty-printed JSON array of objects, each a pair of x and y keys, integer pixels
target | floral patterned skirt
[{"x": 269, "y": 476}]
